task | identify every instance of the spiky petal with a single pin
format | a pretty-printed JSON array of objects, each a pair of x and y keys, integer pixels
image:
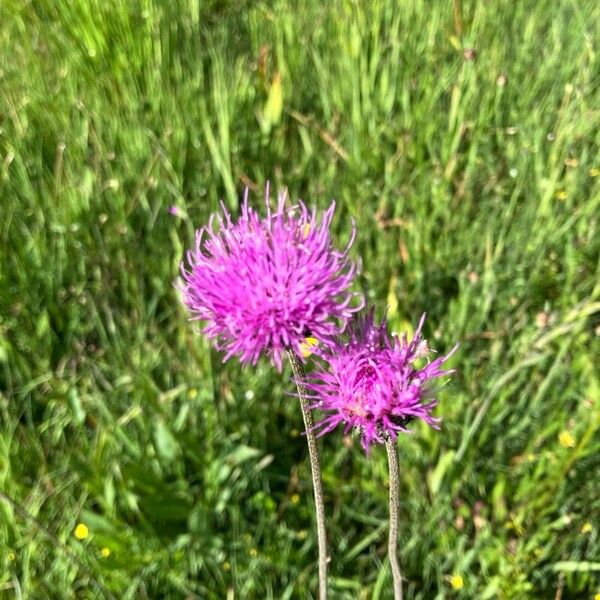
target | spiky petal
[
  {"x": 372, "y": 382},
  {"x": 265, "y": 284}
]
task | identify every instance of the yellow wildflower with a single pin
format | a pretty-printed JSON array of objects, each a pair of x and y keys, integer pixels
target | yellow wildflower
[
  {"x": 307, "y": 345},
  {"x": 566, "y": 439},
  {"x": 81, "y": 531},
  {"x": 295, "y": 499},
  {"x": 457, "y": 582},
  {"x": 253, "y": 552},
  {"x": 192, "y": 393},
  {"x": 594, "y": 172},
  {"x": 587, "y": 527},
  {"x": 561, "y": 195},
  {"x": 226, "y": 566},
  {"x": 11, "y": 556},
  {"x": 105, "y": 552}
]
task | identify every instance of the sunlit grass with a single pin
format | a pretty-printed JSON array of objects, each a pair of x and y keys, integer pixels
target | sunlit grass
[{"x": 473, "y": 181}]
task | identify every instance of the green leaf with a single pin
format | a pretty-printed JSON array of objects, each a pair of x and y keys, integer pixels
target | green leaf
[
  {"x": 166, "y": 445},
  {"x": 75, "y": 404},
  {"x": 572, "y": 566},
  {"x": 242, "y": 454},
  {"x": 437, "y": 475}
]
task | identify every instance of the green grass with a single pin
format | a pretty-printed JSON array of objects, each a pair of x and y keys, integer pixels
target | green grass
[{"x": 474, "y": 201}]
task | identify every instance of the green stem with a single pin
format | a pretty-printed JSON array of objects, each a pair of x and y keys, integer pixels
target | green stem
[
  {"x": 392, "y": 453},
  {"x": 313, "y": 453}
]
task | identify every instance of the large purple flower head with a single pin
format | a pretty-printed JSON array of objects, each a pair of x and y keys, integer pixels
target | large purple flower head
[
  {"x": 375, "y": 383},
  {"x": 265, "y": 284}
]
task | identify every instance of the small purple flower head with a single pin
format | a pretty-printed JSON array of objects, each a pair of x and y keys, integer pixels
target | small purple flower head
[
  {"x": 371, "y": 381},
  {"x": 176, "y": 212},
  {"x": 264, "y": 285}
]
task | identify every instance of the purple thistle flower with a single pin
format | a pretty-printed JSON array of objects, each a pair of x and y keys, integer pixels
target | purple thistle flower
[
  {"x": 370, "y": 381},
  {"x": 265, "y": 284}
]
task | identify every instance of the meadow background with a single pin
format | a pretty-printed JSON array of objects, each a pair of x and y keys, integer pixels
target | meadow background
[{"x": 463, "y": 138}]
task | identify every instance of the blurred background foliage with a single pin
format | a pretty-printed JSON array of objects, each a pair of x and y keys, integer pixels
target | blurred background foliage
[{"x": 463, "y": 140}]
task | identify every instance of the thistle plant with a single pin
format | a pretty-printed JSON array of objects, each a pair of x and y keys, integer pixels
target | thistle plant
[
  {"x": 373, "y": 383},
  {"x": 266, "y": 286},
  {"x": 263, "y": 285}
]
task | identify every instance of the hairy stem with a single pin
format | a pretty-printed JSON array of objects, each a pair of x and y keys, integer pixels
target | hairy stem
[
  {"x": 313, "y": 453},
  {"x": 392, "y": 452}
]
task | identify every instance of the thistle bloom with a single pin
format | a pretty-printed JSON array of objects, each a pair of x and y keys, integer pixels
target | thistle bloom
[
  {"x": 264, "y": 285},
  {"x": 371, "y": 382}
]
